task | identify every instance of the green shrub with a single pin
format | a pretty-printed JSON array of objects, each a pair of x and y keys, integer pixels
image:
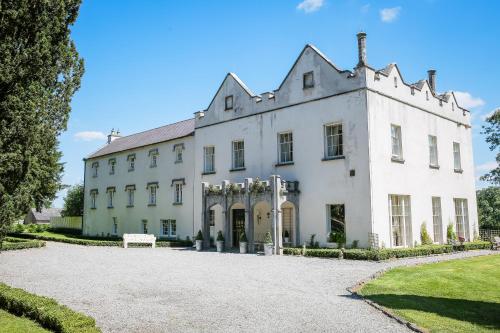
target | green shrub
[
  {"x": 323, "y": 253},
  {"x": 46, "y": 311},
  {"x": 19, "y": 244},
  {"x": 292, "y": 251},
  {"x": 67, "y": 231},
  {"x": 243, "y": 237},
  {"x": 450, "y": 233},
  {"x": 313, "y": 244},
  {"x": 477, "y": 245},
  {"x": 425, "y": 239},
  {"x": 173, "y": 243},
  {"x": 355, "y": 244},
  {"x": 199, "y": 236},
  {"x": 220, "y": 238},
  {"x": 17, "y": 227},
  {"x": 268, "y": 239},
  {"x": 360, "y": 254}
]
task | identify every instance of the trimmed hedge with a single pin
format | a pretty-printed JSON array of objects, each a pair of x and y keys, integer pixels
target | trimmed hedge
[
  {"x": 292, "y": 251},
  {"x": 19, "y": 244},
  {"x": 45, "y": 311},
  {"x": 323, "y": 253},
  {"x": 476, "y": 245}
]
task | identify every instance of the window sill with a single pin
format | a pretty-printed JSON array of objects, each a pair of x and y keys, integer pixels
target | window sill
[
  {"x": 230, "y": 109},
  {"x": 130, "y": 170},
  {"x": 177, "y": 162},
  {"x": 152, "y": 166},
  {"x": 237, "y": 169},
  {"x": 434, "y": 166},
  {"x": 333, "y": 158},
  {"x": 130, "y": 206},
  {"x": 94, "y": 176},
  {"x": 458, "y": 170},
  {"x": 151, "y": 205},
  {"x": 94, "y": 208},
  {"x": 177, "y": 203},
  {"x": 110, "y": 207},
  {"x": 397, "y": 160},
  {"x": 284, "y": 164},
  {"x": 307, "y": 87},
  {"x": 208, "y": 173}
]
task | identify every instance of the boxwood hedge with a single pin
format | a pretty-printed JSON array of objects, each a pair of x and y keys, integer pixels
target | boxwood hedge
[
  {"x": 45, "y": 311},
  {"x": 19, "y": 244}
]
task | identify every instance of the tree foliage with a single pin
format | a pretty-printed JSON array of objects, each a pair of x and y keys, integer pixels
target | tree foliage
[
  {"x": 73, "y": 202},
  {"x": 492, "y": 132},
  {"x": 488, "y": 206},
  {"x": 40, "y": 70}
]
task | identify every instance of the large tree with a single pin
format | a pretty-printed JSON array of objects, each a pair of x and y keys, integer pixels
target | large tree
[
  {"x": 488, "y": 206},
  {"x": 73, "y": 202},
  {"x": 492, "y": 131},
  {"x": 40, "y": 70}
]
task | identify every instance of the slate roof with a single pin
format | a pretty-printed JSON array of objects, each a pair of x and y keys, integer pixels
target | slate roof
[
  {"x": 149, "y": 137},
  {"x": 46, "y": 213}
]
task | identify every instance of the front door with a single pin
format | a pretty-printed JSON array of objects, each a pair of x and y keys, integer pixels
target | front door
[{"x": 238, "y": 225}]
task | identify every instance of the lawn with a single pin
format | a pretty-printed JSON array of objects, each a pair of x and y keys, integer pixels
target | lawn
[
  {"x": 452, "y": 296},
  {"x": 13, "y": 324}
]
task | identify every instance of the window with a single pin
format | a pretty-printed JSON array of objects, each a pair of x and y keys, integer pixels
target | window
[
  {"x": 285, "y": 147},
  {"x": 238, "y": 154},
  {"x": 111, "y": 195},
  {"x": 131, "y": 162},
  {"x": 336, "y": 215},
  {"x": 93, "y": 198},
  {"x": 427, "y": 95},
  {"x": 153, "y": 155},
  {"x": 308, "y": 80},
  {"x": 152, "y": 194},
  {"x": 178, "y": 193},
  {"x": 400, "y": 217},
  {"x": 114, "y": 230},
  {"x": 437, "y": 220},
  {"x": 395, "y": 82},
  {"x": 433, "y": 151},
  {"x": 397, "y": 146},
  {"x": 211, "y": 217},
  {"x": 461, "y": 218},
  {"x": 112, "y": 165},
  {"x": 95, "y": 166},
  {"x": 228, "y": 103},
  {"x": 130, "y": 189},
  {"x": 457, "y": 163},
  {"x": 144, "y": 226},
  {"x": 452, "y": 106},
  {"x": 209, "y": 155},
  {"x": 333, "y": 141},
  {"x": 169, "y": 228},
  {"x": 178, "y": 152}
]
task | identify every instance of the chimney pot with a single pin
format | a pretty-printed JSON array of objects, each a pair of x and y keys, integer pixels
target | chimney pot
[
  {"x": 361, "y": 49},
  {"x": 432, "y": 79}
]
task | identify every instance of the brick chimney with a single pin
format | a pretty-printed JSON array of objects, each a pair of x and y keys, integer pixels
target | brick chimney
[
  {"x": 361, "y": 49},
  {"x": 432, "y": 79},
  {"x": 113, "y": 135}
]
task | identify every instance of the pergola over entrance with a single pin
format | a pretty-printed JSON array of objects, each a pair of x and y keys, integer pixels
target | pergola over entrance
[{"x": 257, "y": 206}]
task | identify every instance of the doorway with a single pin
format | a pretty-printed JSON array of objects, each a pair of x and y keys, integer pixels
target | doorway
[{"x": 238, "y": 225}]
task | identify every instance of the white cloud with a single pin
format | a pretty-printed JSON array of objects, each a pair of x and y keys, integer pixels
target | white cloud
[
  {"x": 466, "y": 100},
  {"x": 389, "y": 14},
  {"x": 309, "y": 6},
  {"x": 489, "y": 114},
  {"x": 486, "y": 167},
  {"x": 90, "y": 136}
]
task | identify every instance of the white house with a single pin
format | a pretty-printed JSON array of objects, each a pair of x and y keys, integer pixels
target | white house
[{"x": 360, "y": 153}]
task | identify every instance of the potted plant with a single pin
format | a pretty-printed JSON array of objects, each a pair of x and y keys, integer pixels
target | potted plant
[
  {"x": 243, "y": 242},
  {"x": 331, "y": 242},
  {"x": 286, "y": 237},
  {"x": 220, "y": 242},
  {"x": 268, "y": 244},
  {"x": 199, "y": 241}
]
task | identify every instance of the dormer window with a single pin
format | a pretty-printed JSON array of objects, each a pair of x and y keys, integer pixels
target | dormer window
[
  {"x": 452, "y": 106},
  {"x": 308, "y": 80},
  {"x": 427, "y": 95},
  {"x": 228, "y": 103},
  {"x": 395, "y": 82}
]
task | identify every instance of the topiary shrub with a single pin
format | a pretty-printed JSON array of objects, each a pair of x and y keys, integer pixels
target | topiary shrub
[
  {"x": 220, "y": 238},
  {"x": 425, "y": 239},
  {"x": 243, "y": 237},
  {"x": 268, "y": 239},
  {"x": 450, "y": 234},
  {"x": 199, "y": 236}
]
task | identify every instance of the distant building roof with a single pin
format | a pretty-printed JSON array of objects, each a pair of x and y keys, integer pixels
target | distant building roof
[
  {"x": 156, "y": 135},
  {"x": 46, "y": 213}
]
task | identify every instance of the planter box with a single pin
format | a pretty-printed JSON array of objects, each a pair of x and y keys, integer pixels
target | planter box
[
  {"x": 199, "y": 245},
  {"x": 268, "y": 249},
  {"x": 220, "y": 246},
  {"x": 243, "y": 247}
]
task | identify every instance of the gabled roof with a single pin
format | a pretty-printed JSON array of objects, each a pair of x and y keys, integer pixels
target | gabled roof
[
  {"x": 240, "y": 83},
  {"x": 156, "y": 135},
  {"x": 46, "y": 213}
]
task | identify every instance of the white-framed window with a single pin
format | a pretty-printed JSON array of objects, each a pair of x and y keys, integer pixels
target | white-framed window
[
  {"x": 396, "y": 141},
  {"x": 111, "y": 195},
  {"x": 209, "y": 159},
  {"x": 178, "y": 193},
  {"x": 153, "y": 158},
  {"x": 457, "y": 163},
  {"x": 334, "y": 143},
  {"x": 152, "y": 194},
  {"x": 228, "y": 102},
  {"x": 131, "y": 162},
  {"x": 114, "y": 230},
  {"x": 461, "y": 218},
  {"x": 400, "y": 218},
  {"x": 93, "y": 199},
  {"x": 238, "y": 154},
  {"x": 178, "y": 153},
  {"x": 144, "y": 226},
  {"x": 437, "y": 220},
  {"x": 169, "y": 228},
  {"x": 308, "y": 80},
  {"x": 95, "y": 167},
  {"x": 433, "y": 151},
  {"x": 112, "y": 166},
  {"x": 285, "y": 147},
  {"x": 130, "y": 189}
]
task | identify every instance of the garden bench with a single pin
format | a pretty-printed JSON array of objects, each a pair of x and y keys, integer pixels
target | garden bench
[
  {"x": 138, "y": 239},
  {"x": 496, "y": 243}
]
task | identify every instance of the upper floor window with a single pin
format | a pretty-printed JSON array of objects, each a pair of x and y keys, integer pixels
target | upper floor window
[
  {"x": 427, "y": 95},
  {"x": 95, "y": 167},
  {"x": 238, "y": 154},
  {"x": 152, "y": 189},
  {"x": 93, "y": 198},
  {"x": 397, "y": 145},
  {"x": 308, "y": 80},
  {"x": 130, "y": 189},
  {"x": 209, "y": 159},
  {"x": 112, "y": 165},
  {"x": 111, "y": 195},
  {"x": 169, "y": 228},
  {"x": 285, "y": 147},
  {"x": 433, "y": 151},
  {"x": 457, "y": 163},
  {"x": 178, "y": 148},
  {"x": 153, "y": 155},
  {"x": 395, "y": 82},
  {"x": 228, "y": 102},
  {"x": 333, "y": 140},
  {"x": 131, "y": 162},
  {"x": 178, "y": 193}
]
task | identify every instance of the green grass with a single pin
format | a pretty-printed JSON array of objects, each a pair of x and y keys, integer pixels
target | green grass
[
  {"x": 13, "y": 324},
  {"x": 452, "y": 296}
]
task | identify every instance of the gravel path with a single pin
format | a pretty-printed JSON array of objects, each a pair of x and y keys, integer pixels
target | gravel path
[{"x": 172, "y": 290}]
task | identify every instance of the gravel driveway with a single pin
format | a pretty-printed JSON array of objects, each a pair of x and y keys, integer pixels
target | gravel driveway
[{"x": 173, "y": 290}]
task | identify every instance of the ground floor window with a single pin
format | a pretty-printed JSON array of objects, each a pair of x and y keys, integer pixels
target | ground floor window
[
  {"x": 336, "y": 219},
  {"x": 400, "y": 217},
  {"x": 461, "y": 218},
  {"x": 144, "y": 226},
  {"x": 169, "y": 228},
  {"x": 114, "y": 230},
  {"x": 437, "y": 222}
]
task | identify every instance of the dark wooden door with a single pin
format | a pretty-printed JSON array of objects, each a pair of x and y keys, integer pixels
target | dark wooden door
[{"x": 238, "y": 225}]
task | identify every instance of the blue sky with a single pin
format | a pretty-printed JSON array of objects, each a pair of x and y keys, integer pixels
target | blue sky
[{"x": 150, "y": 63}]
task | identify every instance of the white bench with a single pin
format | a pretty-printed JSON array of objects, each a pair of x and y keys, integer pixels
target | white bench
[{"x": 138, "y": 239}]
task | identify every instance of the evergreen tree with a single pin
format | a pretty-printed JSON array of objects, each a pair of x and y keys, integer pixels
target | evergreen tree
[
  {"x": 492, "y": 131},
  {"x": 40, "y": 70},
  {"x": 73, "y": 202}
]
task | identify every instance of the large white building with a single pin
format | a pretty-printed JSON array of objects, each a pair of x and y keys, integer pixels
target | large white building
[{"x": 358, "y": 152}]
